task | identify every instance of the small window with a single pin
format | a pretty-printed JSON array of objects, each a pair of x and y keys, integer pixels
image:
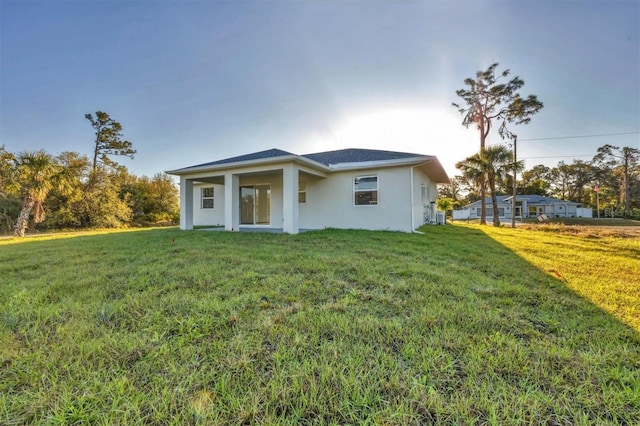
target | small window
[
  {"x": 365, "y": 189},
  {"x": 302, "y": 192},
  {"x": 207, "y": 198}
]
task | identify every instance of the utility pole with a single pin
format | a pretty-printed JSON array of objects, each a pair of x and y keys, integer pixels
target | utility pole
[{"x": 515, "y": 168}]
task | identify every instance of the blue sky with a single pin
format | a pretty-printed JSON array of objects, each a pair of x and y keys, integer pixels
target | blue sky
[{"x": 197, "y": 81}]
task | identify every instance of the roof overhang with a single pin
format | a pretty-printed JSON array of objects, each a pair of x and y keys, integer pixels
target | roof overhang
[
  {"x": 310, "y": 164},
  {"x": 435, "y": 171},
  {"x": 427, "y": 163}
]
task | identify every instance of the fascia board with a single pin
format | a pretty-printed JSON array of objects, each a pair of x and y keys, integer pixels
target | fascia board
[{"x": 380, "y": 163}]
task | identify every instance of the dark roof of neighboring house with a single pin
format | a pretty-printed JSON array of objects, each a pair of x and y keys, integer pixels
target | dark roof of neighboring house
[
  {"x": 530, "y": 198},
  {"x": 539, "y": 199},
  {"x": 270, "y": 153},
  {"x": 354, "y": 155}
]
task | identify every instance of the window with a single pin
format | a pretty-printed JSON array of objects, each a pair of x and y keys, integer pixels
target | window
[
  {"x": 207, "y": 197},
  {"x": 490, "y": 211},
  {"x": 302, "y": 192},
  {"x": 365, "y": 189}
]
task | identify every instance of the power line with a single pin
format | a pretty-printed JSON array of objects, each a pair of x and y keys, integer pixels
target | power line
[
  {"x": 557, "y": 156},
  {"x": 581, "y": 136}
]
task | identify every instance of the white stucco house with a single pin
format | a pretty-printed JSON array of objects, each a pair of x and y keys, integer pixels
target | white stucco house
[
  {"x": 527, "y": 205},
  {"x": 349, "y": 188}
]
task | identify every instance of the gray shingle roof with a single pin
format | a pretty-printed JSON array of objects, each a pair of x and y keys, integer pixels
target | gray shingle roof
[
  {"x": 530, "y": 198},
  {"x": 270, "y": 153},
  {"x": 328, "y": 158},
  {"x": 353, "y": 155}
]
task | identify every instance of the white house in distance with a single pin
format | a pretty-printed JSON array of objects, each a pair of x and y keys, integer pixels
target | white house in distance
[
  {"x": 530, "y": 205},
  {"x": 349, "y": 188}
]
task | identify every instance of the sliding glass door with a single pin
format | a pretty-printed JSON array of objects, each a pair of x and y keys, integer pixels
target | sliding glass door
[{"x": 255, "y": 204}]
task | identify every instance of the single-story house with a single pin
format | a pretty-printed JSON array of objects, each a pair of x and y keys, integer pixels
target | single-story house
[
  {"x": 348, "y": 188},
  {"x": 528, "y": 205}
]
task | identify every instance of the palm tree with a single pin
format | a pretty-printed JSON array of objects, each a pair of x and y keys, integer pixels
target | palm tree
[
  {"x": 488, "y": 168},
  {"x": 35, "y": 174},
  {"x": 473, "y": 170}
]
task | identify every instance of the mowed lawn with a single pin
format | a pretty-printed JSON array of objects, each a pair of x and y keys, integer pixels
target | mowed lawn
[{"x": 461, "y": 325}]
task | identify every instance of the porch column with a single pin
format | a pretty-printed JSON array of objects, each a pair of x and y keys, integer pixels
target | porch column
[
  {"x": 231, "y": 202},
  {"x": 186, "y": 203},
  {"x": 290, "y": 199}
]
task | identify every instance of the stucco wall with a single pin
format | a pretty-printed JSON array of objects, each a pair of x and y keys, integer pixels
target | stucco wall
[
  {"x": 214, "y": 216},
  {"x": 422, "y": 198},
  {"x": 330, "y": 201}
]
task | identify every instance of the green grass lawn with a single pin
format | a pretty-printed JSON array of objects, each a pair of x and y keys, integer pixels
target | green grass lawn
[
  {"x": 461, "y": 325},
  {"x": 581, "y": 221}
]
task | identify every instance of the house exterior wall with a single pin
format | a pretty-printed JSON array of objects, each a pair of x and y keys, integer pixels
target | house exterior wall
[
  {"x": 584, "y": 212},
  {"x": 424, "y": 193},
  {"x": 463, "y": 214},
  {"x": 562, "y": 210},
  {"x": 208, "y": 217},
  {"x": 504, "y": 210},
  {"x": 529, "y": 209},
  {"x": 215, "y": 216},
  {"x": 330, "y": 201}
]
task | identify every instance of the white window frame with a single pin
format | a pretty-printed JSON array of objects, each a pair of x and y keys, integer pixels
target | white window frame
[
  {"x": 204, "y": 198},
  {"x": 302, "y": 192},
  {"x": 356, "y": 191}
]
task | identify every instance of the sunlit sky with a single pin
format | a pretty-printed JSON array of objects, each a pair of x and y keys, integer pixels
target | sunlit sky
[{"x": 198, "y": 81}]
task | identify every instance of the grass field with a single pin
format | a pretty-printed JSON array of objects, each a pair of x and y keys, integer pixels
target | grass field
[
  {"x": 461, "y": 325},
  {"x": 581, "y": 221}
]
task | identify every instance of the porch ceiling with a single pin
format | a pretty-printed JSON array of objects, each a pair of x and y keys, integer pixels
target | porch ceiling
[{"x": 211, "y": 179}]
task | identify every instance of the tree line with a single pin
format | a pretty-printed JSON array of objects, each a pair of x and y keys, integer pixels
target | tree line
[
  {"x": 42, "y": 191},
  {"x": 491, "y": 101}
]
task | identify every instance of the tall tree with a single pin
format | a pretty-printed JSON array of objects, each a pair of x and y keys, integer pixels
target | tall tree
[
  {"x": 6, "y": 168},
  {"x": 451, "y": 190},
  {"x": 108, "y": 140},
  {"x": 154, "y": 199},
  {"x": 536, "y": 180},
  {"x": 489, "y": 100},
  {"x": 570, "y": 181},
  {"x": 489, "y": 168},
  {"x": 627, "y": 160},
  {"x": 62, "y": 206},
  {"x": 35, "y": 174}
]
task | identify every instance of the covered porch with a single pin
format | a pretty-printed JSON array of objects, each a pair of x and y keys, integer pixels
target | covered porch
[{"x": 253, "y": 198}]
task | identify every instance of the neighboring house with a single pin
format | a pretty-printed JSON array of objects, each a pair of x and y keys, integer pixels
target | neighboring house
[
  {"x": 526, "y": 206},
  {"x": 349, "y": 188}
]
